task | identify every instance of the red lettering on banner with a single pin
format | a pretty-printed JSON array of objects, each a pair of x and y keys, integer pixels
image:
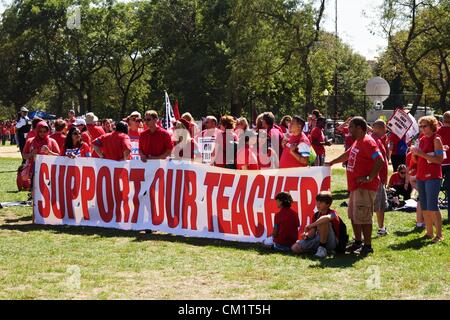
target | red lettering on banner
[
  {"x": 308, "y": 185},
  {"x": 270, "y": 204},
  {"x": 157, "y": 215},
  {"x": 136, "y": 176},
  {"x": 44, "y": 206},
  {"x": 211, "y": 181},
  {"x": 326, "y": 184},
  {"x": 104, "y": 179},
  {"x": 238, "y": 216},
  {"x": 173, "y": 218},
  {"x": 72, "y": 188},
  {"x": 177, "y": 202},
  {"x": 58, "y": 198},
  {"x": 258, "y": 184},
  {"x": 87, "y": 194},
  {"x": 291, "y": 184},
  {"x": 190, "y": 183},
  {"x": 226, "y": 181},
  {"x": 121, "y": 174}
]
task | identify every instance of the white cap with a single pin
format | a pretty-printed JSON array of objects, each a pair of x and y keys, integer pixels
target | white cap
[
  {"x": 135, "y": 114},
  {"x": 91, "y": 118},
  {"x": 23, "y": 109},
  {"x": 80, "y": 122}
]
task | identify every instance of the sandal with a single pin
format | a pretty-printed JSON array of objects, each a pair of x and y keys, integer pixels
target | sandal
[{"x": 437, "y": 239}]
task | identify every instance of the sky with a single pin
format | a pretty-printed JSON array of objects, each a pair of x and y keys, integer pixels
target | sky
[{"x": 353, "y": 26}]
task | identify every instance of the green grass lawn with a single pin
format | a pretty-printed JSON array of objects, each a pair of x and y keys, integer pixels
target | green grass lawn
[{"x": 44, "y": 262}]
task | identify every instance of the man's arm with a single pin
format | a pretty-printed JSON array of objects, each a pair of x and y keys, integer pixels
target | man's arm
[
  {"x": 98, "y": 151},
  {"x": 298, "y": 156},
  {"x": 126, "y": 154},
  {"x": 342, "y": 158}
]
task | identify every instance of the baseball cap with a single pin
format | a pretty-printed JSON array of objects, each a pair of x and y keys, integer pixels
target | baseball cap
[
  {"x": 91, "y": 118},
  {"x": 80, "y": 122},
  {"x": 23, "y": 109}
]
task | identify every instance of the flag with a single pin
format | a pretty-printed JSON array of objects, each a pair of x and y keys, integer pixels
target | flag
[
  {"x": 170, "y": 118},
  {"x": 176, "y": 111}
]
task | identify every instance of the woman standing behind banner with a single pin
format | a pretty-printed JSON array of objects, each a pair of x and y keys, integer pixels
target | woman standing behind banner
[
  {"x": 429, "y": 157},
  {"x": 185, "y": 147},
  {"x": 74, "y": 147}
]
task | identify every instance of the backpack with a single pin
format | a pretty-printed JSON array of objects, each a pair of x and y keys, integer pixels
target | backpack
[
  {"x": 312, "y": 157},
  {"x": 343, "y": 237}
]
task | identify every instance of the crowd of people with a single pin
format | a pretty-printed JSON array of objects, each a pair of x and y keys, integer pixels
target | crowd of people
[{"x": 234, "y": 143}]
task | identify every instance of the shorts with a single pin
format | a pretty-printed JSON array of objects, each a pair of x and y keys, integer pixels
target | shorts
[
  {"x": 313, "y": 243},
  {"x": 429, "y": 194},
  {"x": 380, "y": 199},
  {"x": 361, "y": 206}
]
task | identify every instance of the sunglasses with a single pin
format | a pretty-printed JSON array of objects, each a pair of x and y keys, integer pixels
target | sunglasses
[
  {"x": 149, "y": 119},
  {"x": 402, "y": 172}
]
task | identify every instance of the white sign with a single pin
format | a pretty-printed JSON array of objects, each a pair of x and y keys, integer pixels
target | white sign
[
  {"x": 206, "y": 148},
  {"x": 399, "y": 123}
]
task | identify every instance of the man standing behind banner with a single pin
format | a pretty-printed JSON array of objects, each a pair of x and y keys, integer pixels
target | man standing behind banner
[
  {"x": 155, "y": 142},
  {"x": 115, "y": 145},
  {"x": 207, "y": 140},
  {"x": 298, "y": 149},
  {"x": 134, "y": 120},
  {"x": 92, "y": 128},
  {"x": 364, "y": 163}
]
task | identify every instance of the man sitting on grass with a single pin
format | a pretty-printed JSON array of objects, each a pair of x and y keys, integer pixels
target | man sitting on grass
[{"x": 322, "y": 234}]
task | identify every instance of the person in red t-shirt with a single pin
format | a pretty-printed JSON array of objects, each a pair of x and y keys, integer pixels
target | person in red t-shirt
[
  {"x": 185, "y": 147},
  {"x": 399, "y": 182},
  {"x": 93, "y": 129},
  {"x": 380, "y": 205},
  {"x": 246, "y": 157},
  {"x": 41, "y": 144},
  {"x": 155, "y": 142},
  {"x": 318, "y": 141},
  {"x": 225, "y": 142},
  {"x": 115, "y": 145},
  {"x": 286, "y": 224},
  {"x": 274, "y": 136},
  {"x": 322, "y": 234},
  {"x": 444, "y": 133},
  {"x": 298, "y": 148},
  {"x": 59, "y": 135},
  {"x": 134, "y": 132},
  {"x": 364, "y": 162},
  {"x": 429, "y": 157},
  {"x": 285, "y": 123}
]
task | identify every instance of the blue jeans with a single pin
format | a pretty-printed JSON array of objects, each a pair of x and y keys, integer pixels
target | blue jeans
[{"x": 429, "y": 194}]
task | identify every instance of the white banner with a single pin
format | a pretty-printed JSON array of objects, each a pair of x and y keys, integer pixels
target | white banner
[{"x": 176, "y": 197}]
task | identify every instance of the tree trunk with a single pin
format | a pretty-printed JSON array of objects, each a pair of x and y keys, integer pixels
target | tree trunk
[{"x": 308, "y": 85}]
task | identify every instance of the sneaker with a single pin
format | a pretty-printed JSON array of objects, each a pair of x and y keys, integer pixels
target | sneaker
[
  {"x": 353, "y": 247},
  {"x": 321, "y": 252},
  {"x": 364, "y": 251},
  {"x": 382, "y": 232}
]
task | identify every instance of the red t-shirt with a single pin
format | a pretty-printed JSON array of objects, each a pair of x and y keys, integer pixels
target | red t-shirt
[
  {"x": 396, "y": 180},
  {"x": 288, "y": 224},
  {"x": 425, "y": 170},
  {"x": 30, "y": 145},
  {"x": 31, "y": 134},
  {"x": 287, "y": 159},
  {"x": 444, "y": 133},
  {"x": 348, "y": 141},
  {"x": 334, "y": 220},
  {"x": 221, "y": 148},
  {"x": 383, "y": 174},
  {"x": 113, "y": 145},
  {"x": 317, "y": 134},
  {"x": 412, "y": 166},
  {"x": 362, "y": 157},
  {"x": 60, "y": 138},
  {"x": 156, "y": 143}
]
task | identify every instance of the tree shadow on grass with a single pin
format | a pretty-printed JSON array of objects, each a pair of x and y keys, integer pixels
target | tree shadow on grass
[
  {"x": 138, "y": 236},
  {"x": 16, "y": 220}
]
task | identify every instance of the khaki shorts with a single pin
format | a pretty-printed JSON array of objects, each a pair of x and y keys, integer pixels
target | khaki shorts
[{"x": 361, "y": 206}]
